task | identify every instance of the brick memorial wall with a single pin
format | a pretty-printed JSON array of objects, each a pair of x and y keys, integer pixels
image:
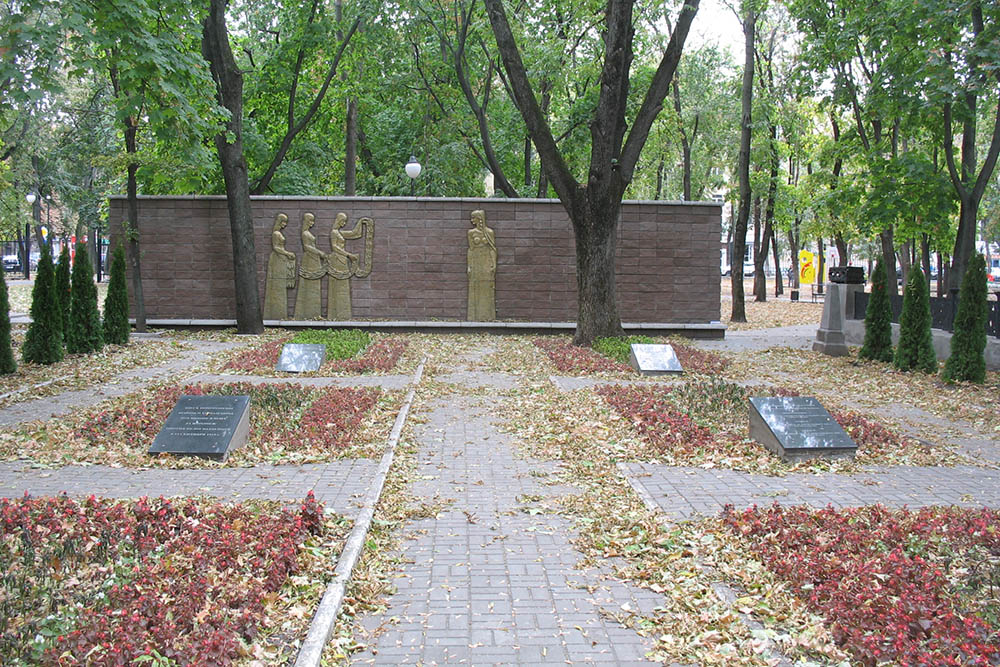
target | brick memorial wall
[{"x": 667, "y": 267}]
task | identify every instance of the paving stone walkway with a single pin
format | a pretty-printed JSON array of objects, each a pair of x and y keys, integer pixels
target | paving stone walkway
[
  {"x": 340, "y": 485},
  {"x": 682, "y": 493},
  {"x": 493, "y": 577},
  {"x": 127, "y": 382}
]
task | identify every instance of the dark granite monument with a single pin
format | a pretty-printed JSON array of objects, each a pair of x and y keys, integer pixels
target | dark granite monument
[
  {"x": 301, "y": 357},
  {"x": 650, "y": 359},
  {"x": 797, "y": 428},
  {"x": 205, "y": 426}
]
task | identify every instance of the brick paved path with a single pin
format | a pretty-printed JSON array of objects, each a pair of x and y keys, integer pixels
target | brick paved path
[
  {"x": 487, "y": 581},
  {"x": 127, "y": 382},
  {"x": 684, "y": 492},
  {"x": 340, "y": 485}
]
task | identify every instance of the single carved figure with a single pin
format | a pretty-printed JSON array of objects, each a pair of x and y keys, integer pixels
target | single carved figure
[
  {"x": 280, "y": 273},
  {"x": 482, "y": 261},
  {"x": 339, "y": 266},
  {"x": 308, "y": 304}
]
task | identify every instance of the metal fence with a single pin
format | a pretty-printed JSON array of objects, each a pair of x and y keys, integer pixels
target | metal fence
[{"x": 943, "y": 310}]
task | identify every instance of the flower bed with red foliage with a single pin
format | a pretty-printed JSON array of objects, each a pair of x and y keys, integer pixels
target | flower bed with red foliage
[
  {"x": 896, "y": 586},
  {"x": 316, "y": 421},
  {"x": 103, "y": 582},
  {"x": 706, "y": 421},
  {"x": 569, "y": 358},
  {"x": 380, "y": 356}
]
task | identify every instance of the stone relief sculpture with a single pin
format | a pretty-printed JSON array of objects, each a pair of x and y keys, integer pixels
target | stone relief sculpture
[
  {"x": 307, "y": 301},
  {"x": 280, "y": 273},
  {"x": 482, "y": 267},
  {"x": 343, "y": 265}
]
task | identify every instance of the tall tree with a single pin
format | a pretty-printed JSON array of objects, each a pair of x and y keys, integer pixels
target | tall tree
[
  {"x": 229, "y": 145},
  {"x": 594, "y": 206},
  {"x": 749, "y": 19},
  {"x": 84, "y": 333}
]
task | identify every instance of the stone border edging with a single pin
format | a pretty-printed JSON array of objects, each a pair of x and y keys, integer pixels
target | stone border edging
[{"x": 325, "y": 617}]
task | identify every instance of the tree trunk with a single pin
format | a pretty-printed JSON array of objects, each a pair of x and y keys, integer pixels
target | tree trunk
[
  {"x": 131, "y": 226},
  {"x": 925, "y": 257},
  {"x": 527, "y": 161},
  {"x": 594, "y": 228},
  {"x": 229, "y": 88},
  {"x": 904, "y": 260},
  {"x": 351, "y": 150},
  {"x": 779, "y": 288},
  {"x": 793, "y": 245},
  {"x": 743, "y": 166},
  {"x": 842, "y": 253},
  {"x": 889, "y": 258},
  {"x": 941, "y": 276}
]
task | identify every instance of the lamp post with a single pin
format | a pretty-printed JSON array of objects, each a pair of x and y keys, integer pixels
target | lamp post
[
  {"x": 413, "y": 170},
  {"x": 36, "y": 214}
]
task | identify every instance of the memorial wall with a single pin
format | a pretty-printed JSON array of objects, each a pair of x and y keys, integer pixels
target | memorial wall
[{"x": 406, "y": 259}]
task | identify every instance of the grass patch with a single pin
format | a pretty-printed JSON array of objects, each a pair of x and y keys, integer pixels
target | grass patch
[
  {"x": 619, "y": 348},
  {"x": 340, "y": 343}
]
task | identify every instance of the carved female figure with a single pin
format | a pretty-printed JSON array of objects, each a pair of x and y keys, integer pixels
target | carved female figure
[
  {"x": 280, "y": 273},
  {"x": 482, "y": 266},
  {"x": 338, "y": 301},
  {"x": 307, "y": 300}
]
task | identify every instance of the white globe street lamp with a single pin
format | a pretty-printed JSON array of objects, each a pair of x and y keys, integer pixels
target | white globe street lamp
[
  {"x": 30, "y": 198},
  {"x": 413, "y": 170}
]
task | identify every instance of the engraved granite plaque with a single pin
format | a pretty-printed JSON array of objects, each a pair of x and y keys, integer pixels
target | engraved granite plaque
[
  {"x": 205, "y": 426},
  {"x": 797, "y": 428},
  {"x": 651, "y": 359},
  {"x": 301, "y": 357}
]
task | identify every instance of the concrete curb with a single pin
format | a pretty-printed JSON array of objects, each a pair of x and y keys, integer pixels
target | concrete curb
[{"x": 323, "y": 621}]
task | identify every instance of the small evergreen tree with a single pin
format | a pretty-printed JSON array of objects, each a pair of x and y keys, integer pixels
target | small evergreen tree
[
  {"x": 916, "y": 343},
  {"x": 7, "y": 363},
  {"x": 116, "y": 326},
  {"x": 62, "y": 285},
  {"x": 43, "y": 343},
  {"x": 85, "y": 333},
  {"x": 878, "y": 319},
  {"x": 968, "y": 341}
]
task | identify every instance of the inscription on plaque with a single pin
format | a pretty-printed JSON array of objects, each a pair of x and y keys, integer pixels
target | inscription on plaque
[
  {"x": 205, "y": 426},
  {"x": 650, "y": 359},
  {"x": 301, "y": 357},
  {"x": 797, "y": 428}
]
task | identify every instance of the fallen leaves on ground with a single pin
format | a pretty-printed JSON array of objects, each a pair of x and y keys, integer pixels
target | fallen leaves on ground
[
  {"x": 184, "y": 581},
  {"x": 289, "y": 423}
]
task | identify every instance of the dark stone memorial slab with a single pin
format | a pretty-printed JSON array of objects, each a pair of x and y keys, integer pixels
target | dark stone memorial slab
[
  {"x": 205, "y": 426},
  {"x": 797, "y": 428},
  {"x": 651, "y": 359},
  {"x": 301, "y": 357}
]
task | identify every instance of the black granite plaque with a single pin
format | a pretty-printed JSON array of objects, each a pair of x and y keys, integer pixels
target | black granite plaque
[
  {"x": 651, "y": 359},
  {"x": 206, "y": 426},
  {"x": 301, "y": 357},
  {"x": 798, "y": 428}
]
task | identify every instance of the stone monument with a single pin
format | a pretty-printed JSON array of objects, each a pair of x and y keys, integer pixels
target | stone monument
[
  {"x": 649, "y": 359},
  {"x": 797, "y": 428},
  {"x": 311, "y": 272},
  {"x": 482, "y": 267},
  {"x": 830, "y": 335},
  {"x": 205, "y": 426},
  {"x": 280, "y": 273},
  {"x": 343, "y": 265}
]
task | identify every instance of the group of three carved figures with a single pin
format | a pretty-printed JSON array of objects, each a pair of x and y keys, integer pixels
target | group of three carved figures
[{"x": 342, "y": 265}]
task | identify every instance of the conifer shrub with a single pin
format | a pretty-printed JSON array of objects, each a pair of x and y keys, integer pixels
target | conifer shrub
[
  {"x": 878, "y": 319},
  {"x": 116, "y": 326},
  {"x": 916, "y": 346},
  {"x": 7, "y": 363},
  {"x": 43, "y": 343},
  {"x": 968, "y": 341},
  {"x": 85, "y": 333}
]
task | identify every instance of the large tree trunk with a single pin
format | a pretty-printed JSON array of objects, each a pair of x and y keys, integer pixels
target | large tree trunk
[
  {"x": 229, "y": 87},
  {"x": 793, "y": 245},
  {"x": 739, "y": 313},
  {"x": 779, "y": 288},
  {"x": 596, "y": 242},
  {"x": 838, "y": 240},
  {"x": 131, "y": 227}
]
